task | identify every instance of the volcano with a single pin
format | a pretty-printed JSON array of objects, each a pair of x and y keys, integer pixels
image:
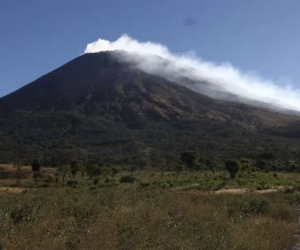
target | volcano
[{"x": 99, "y": 103}]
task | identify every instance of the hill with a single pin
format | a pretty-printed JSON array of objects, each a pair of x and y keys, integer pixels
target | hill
[{"x": 96, "y": 104}]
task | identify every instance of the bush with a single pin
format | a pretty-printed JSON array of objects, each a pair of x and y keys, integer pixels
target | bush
[
  {"x": 232, "y": 166},
  {"x": 246, "y": 205},
  {"x": 145, "y": 184},
  {"x": 73, "y": 244},
  {"x": 294, "y": 198},
  {"x": 49, "y": 178},
  {"x": 72, "y": 183},
  {"x": 127, "y": 179},
  {"x": 21, "y": 213},
  {"x": 165, "y": 185},
  {"x": 282, "y": 212}
]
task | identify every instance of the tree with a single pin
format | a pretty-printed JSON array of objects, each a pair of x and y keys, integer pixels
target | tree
[
  {"x": 53, "y": 162},
  {"x": 94, "y": 171},
  {"x": 74, "y": 166},
  {"x": 141, "y": 162},
  {"x": 179, "y": 168},
  {"x": 232, "y": 166},
  {"x": 114, "y": 171},
  {"x": 295, "y": 163},
  {"x": 157, "y": 160},
  {"x": 18, "y": 173},
  {"x": 190, "y": 159},
  {"x": 63, "y": 170},
  {"x": 124, "y": 161},
  {"x": 82, "y": 169},
  {"x": 211, "y": 165},
  {"x": 36, "y": 166},
  {"x": 133, "y": 168},
  {"x": 246, "y": 165},
  {"x": 267, "y": 156}
]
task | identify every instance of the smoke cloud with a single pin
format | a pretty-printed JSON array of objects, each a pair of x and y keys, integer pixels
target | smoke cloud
[{"x": 157, "y": 59}]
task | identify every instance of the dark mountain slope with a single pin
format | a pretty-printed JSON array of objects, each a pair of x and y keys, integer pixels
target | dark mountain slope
[{"x": 95, "y": 103}]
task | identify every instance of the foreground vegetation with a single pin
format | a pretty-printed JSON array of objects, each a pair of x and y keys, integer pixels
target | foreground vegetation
[
  {"x": 149, "y": 209},
  {"x": 134, "y": 217}
]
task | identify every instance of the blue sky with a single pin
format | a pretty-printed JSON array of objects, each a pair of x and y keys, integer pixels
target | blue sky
[{"x": 38, "y": 36}]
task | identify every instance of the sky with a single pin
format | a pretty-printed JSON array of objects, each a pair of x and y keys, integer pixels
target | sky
[{"x": 258, "y": 36}]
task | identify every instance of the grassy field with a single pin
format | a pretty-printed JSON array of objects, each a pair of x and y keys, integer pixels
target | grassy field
[
  {"x": 155, "y": 211},
  {"x": 198, "y": 180},
  {"x": 145, "y": 218}
]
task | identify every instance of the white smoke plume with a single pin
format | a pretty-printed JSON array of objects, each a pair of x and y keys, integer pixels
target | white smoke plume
[{"x": 148, "y": 56}]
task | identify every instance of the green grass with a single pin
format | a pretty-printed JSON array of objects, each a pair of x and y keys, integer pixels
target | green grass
[
  {"x": 220, "y": 180},
  {"x": 200, "y": 180}
]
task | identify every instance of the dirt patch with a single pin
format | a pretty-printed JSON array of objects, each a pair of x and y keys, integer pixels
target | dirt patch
[
  {"x": 10, "y": 190},
  {"x": 230, "y": 191},
  {"x": 266, "y": 191}
]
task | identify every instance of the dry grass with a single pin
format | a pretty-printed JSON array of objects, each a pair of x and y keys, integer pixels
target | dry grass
[
  {"x": 5, "y": 190},
  {"x": 129, "y": 217},
  {"x": 135, "y": 216}
]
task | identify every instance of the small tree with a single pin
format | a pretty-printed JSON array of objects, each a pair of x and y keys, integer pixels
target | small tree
[
  {"x": 74, "y": 166},
  {"x": 133, "y": 168},
  {"x": 246, "y": 165},
  {"x": 190, "y": 159},
  {"x": 211, "y": 165},
  {"x": 18, "y": 173},
  {"x": 114, "y": 171},
  {"x": 36, "y": 166},
  {"x": 82, "y": 169},
  {"x": 53, "y": 162},
  {"x": 179, "y": 168},
  {"x": 232, "y": 166},
  {"x": 94, "y": 171},
  {"x": 63, "y": 170},
  {"x": 123, "y": 161}
]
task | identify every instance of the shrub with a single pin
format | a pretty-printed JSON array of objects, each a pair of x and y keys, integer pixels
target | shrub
[
  {"x": 232, "y": 166},
  {"x": 20, "y": 213},
  {"x": 49, "y": 178},
  {"x": 73, "y": 244},
  {"x": 246, "y": 205},
  {"x": 127, "y": 179},
  {"x": 72, "y": 183},
  {"x": 145, "y": 184},
  {"x": 294, "y": 198},
  {"x": 36, "y": 166},
  {"x": 283, "y": 212},
  {"x": 165, "y": 185}
]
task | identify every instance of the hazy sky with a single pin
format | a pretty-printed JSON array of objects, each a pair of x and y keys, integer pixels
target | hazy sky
[{"x": 38, "y": 36}]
